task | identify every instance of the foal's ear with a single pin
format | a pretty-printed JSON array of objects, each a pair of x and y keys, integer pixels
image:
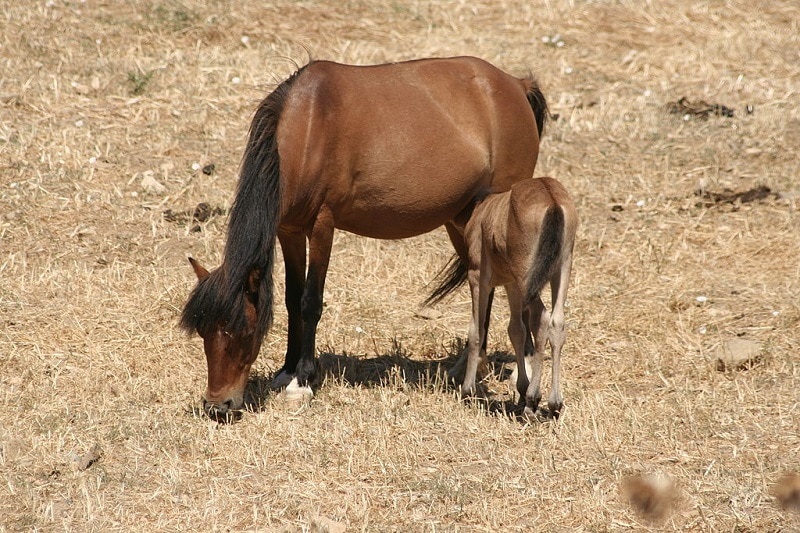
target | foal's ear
[{"x": 199, "y": 271}]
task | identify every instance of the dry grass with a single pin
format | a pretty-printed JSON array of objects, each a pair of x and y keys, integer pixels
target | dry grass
[{"x": 95, "y": 96}]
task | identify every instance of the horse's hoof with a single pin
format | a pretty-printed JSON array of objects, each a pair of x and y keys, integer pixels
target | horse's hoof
[
  {"x": 296, "y": 394},
  {"x": 281, "y": 381}
]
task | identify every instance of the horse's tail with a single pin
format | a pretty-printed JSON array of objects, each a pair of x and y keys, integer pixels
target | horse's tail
[
  {"x": 537, "y": 102},
  {"x": 548, "y": 252}
]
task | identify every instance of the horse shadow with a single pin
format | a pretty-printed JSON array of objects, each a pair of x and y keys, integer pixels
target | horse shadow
[{"x": 396, "y": 369}]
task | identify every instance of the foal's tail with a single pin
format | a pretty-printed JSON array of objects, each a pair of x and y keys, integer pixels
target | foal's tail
[{"x": 547, "y": 258}]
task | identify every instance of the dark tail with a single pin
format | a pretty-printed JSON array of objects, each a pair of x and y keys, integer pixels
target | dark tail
[
  {"x": 451, "y": 277},
  {"x": 252, "y": 229},
  {"x": 548, "y": 251},
  {"x": 454, "y": 274},
  {"x": 537, "y": 102}
]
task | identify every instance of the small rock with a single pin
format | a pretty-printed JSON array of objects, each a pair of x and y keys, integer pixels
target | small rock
[
  {"x": 737, "y": 354},
  {"x": 88, "y": 459},
  {"x": 651, "y": 496},
  {"x": 428, "y": 313},
  {"x": 787, "y": 492},
  {"x": 150, "y": 184},
  {"x": 322, "y": 524}
]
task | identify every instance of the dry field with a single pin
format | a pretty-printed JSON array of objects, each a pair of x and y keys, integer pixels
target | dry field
[{"x": 118, "y": 118}]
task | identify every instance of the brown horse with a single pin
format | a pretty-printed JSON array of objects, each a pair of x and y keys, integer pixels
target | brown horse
[
  {"x": 522, "y": 239},
  {"x": 385, "y": 151}
]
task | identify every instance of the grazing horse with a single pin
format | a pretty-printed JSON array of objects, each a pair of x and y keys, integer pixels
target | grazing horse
[
  {"x": 522, "y": 239},
  {"x": 385, "y": 151}
]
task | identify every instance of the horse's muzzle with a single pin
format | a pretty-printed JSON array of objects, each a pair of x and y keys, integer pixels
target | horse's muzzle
[{"x": 221, "y": 412}]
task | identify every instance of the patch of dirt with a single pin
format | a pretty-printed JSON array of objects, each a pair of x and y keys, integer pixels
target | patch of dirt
[
  {"x": 203, "y": 212},
  {"x": 729, "y": 196},
  {"x": 700, "y": 109}
]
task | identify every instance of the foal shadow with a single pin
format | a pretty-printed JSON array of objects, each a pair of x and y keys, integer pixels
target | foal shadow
[{"x": 395, "y": 368}]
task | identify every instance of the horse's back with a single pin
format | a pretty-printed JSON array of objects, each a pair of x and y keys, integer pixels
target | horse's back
[{"x": 415, "y": 140}]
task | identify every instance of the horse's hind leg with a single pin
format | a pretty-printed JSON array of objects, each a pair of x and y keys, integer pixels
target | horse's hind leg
[
  {"x": 293, "y": 246},
  {"x": 320, "y": 240},
  {"x": 557, "y": 333}
]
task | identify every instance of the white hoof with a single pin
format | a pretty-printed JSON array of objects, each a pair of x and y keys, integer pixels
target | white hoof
[
  {"x": 281, "y": 381},
  {"x": 296, "y": 393}
]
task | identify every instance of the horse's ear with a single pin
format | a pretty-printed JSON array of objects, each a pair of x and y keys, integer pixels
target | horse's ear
[{"x": 199, "y": 271}]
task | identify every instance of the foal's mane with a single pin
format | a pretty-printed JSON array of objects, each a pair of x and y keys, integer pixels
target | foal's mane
[{"x": 219, "y": 299}]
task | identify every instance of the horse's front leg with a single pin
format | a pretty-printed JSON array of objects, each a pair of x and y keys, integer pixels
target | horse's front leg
[
  {"x": 293, "y": 246},
  {"x": 320, "y": 241}
]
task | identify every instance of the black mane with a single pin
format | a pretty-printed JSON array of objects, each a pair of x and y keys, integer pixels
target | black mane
[{"x": 219, "y": 299}]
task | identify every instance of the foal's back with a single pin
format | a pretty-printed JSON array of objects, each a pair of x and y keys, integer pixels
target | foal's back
[{"x": 510, "y": 223}]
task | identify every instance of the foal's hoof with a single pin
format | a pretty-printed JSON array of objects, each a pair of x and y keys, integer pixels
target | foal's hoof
[
  {"x": 555, "y": 409},
  {"x": 467, "y": 392},
  {"x": 530, "y": 415}
]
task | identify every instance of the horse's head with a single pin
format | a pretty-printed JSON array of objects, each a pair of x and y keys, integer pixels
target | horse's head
[{"x": 229, "y": 354}]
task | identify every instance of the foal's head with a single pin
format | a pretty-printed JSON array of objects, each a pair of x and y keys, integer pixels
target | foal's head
[{"x": 229, "y": 352}]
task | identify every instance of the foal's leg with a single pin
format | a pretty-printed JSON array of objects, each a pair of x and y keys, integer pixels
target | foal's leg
[
  {"x": 480, "y": 290},
  {"x": 538, "y": 321},
  {"x": 517, "y": 333},
  {"x": 293, "y": 246},
  {"x": 320, "y": 240},
  {"x": 557, "y": 334},
  {"x": 484, "y": 359},
  {"x": 526, "y": 314},
  {"x": 456, "y": 373}
]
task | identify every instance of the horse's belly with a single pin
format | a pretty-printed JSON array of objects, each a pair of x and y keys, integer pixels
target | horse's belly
[{"x": 397, "y": 221}]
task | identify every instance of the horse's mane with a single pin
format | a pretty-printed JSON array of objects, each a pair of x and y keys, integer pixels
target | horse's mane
[{"x": 219, "y": 299}]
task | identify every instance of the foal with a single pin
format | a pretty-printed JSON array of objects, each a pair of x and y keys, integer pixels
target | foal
[{"x": 522, "y": 239}]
